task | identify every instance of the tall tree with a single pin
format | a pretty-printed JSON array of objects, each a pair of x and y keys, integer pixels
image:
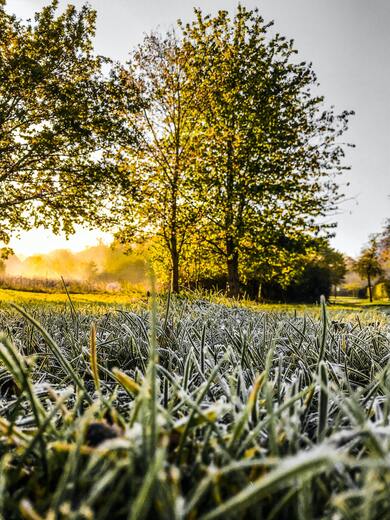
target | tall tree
[
  {"x": 56, "y": 119},
  {"x": 268, "y": 154},
  {"x": 329, "y": 269},
  {"x": 161, "y": 205},
  {"x": 335, "y": 263},
  {"x": 368, "y": 264}
]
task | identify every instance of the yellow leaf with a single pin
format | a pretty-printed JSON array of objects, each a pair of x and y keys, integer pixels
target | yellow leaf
[{"x": 128, "y": 384}]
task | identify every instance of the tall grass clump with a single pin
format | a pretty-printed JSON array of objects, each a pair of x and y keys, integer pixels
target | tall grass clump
[{"x": 192, "y": 410}]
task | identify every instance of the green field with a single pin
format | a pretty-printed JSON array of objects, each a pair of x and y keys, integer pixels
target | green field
[
  {"x": 29, "y": 297},
  {"x": 134, "y": 298}
]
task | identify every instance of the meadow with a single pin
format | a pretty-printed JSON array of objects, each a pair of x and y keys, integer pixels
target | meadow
[
  {"x": 138, "y": 294},
  {"x": 187, "y": 408}
]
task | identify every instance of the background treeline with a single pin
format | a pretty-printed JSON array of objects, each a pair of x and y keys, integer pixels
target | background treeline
[
  {"x": 114, "y": 268},
  {"x": 210, "y": 149}
]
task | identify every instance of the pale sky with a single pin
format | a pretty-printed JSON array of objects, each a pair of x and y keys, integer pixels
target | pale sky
[{"x": 347, "y": 41}]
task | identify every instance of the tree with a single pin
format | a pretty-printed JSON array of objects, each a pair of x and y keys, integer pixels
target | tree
[
  {"x": 268, "y": 153},
  {"x": 161, "y": 206},
  {"x": 368, "y": 264},
  {"x": 384, "y": 246},
  {"x": 314, "y": 275},
  {"x": 334, "y": 262},
  {"x": 385, "y": 236},
  {"x": 56, "y": 120}
]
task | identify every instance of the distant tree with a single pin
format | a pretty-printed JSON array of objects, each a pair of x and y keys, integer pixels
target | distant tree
[
  {"x": 384, "y": 246},
  {"x": 161, "y": 205},
  {"x": 335, "y": 263},
  {"x": 368, "y": 264},
  {"x": 57, "y": 118},
  {"x": 383, "y": 239},
  {"x": 385, "y": 236},
  {"x": 315, "y": 275},
  {"x": 267, "y": 153},
  {"x": 91, "y": 270},
  {"x": 352, "y": 282}
]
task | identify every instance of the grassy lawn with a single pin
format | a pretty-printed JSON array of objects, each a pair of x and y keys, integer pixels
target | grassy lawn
[
  {"x": 352, "y": 301},
  {"x": 132, "y": 298},
  {"x": 27, "y": 297}
]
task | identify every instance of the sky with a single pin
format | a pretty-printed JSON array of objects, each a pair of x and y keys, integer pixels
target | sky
[{"x": 348, "y": 43}]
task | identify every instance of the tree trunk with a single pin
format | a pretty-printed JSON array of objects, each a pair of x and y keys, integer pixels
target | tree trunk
[
  {"x": 173, "y": 233},
  {"x": 369, "y": 286},
  {"x": 232, "y": 268},
  {"x": 175, "y": 266},
  {"x": 259, "y": 293},
  {"x": 231, "y": 246}
]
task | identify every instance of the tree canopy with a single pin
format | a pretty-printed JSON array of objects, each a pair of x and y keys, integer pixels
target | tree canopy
[
  {"x": 368, "y": 265},
  {"x": 238, "y": 154},
  {"x": 269, "y": 154},
  {"x": 211, "y": 143},
  {"x": 56, "y": 116},
  {"x": 158, "y": 168}
]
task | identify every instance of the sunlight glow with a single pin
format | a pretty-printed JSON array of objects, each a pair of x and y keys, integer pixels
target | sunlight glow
[{"x": 42, "y": 241}]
